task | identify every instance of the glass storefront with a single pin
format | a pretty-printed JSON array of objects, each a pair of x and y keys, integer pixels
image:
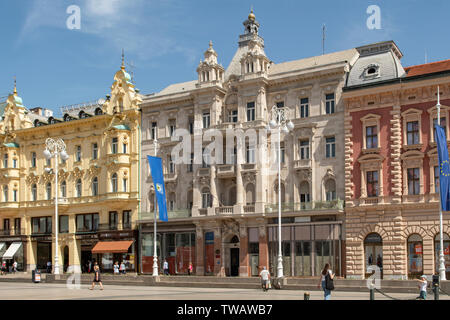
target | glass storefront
[
  {"x": 178, "y": 248},
  {"x": 44, "y": 254},
  {"x": 373, "y": 252},
  {"x": 306, "y": 249},
  {"x": 437, "y": 246},
  {"x": 415, "y": 256}
]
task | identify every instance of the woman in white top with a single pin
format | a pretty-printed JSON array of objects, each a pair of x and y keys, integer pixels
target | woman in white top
[
  {"x": 116, "y": 267},
  {"x": 326, "y": 270}
]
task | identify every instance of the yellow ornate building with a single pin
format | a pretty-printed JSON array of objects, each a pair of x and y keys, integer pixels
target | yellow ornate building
[{"x": 98, "y": 185}]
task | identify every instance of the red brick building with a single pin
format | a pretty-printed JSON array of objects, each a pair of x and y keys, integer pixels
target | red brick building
[{"x": 392, "y": 213}]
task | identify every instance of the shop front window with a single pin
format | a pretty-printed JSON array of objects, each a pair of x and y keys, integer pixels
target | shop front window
[
  {"x": 373, "y": 251},
  {"x": 415, "y": 256},
  {"x": 437, "y": 246}
]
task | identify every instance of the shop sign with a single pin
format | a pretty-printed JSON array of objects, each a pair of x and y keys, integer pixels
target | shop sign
[
  {"x": 447, "y": 251},
  {"x": 86, "y": 236},
  {"x": 41, "y": 238}
]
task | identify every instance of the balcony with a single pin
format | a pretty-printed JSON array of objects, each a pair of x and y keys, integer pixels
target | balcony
[
  {"x": 302, "y": 164},
  {"x": 10, "y": 173},
  {"x": 85, "y": 230},
  {"x": 120, "y": 158},
  {"x": 203, "y": 211},
  {"x": 225, "y": 210},
  {"x": 248, "y": 167},
  {"x": 226, "y": 170},
  {"x": 117, "y": 195},
  {"x": 306, "y": 206},
  {"x": 107, "y": 227},
  {"x": 250, "y": 208},
  {"x": 203, "y": 172}
]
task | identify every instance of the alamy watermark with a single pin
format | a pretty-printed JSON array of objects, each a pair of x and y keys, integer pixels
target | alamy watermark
[
  {"x": 374, "y": 281},
  {"x": 74, "y": 20},
  {"x": 374, "y": 20}
]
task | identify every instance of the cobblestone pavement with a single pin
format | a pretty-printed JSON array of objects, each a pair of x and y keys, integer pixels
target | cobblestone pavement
[{"x": 44, "y": 291}]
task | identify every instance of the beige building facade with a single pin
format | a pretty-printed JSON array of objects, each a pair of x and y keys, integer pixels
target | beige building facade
[
  {"x": 223, "y": 215},
  {"x": 98, "y": 184}
]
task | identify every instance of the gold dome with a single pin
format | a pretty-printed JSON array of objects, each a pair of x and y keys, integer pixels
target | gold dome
[{"x": 251, "y": 16}]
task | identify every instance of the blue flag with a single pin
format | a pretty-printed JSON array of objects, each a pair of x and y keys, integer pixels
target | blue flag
[
  {"x": 444, "y": 168},
  {"x": 158, "y": 181}
]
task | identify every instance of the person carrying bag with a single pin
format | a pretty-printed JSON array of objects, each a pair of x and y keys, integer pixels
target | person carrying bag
[{"x": 326, "y": 281}]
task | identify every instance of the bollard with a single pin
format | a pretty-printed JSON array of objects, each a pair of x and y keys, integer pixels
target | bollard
[
  {"x": 372, "y": 294},
  {"x": 436, "y": 291},
  {"x": 306, "y": 296}
]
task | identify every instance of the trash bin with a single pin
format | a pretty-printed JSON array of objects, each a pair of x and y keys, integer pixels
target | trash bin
[{"x": 35, "y": 276}]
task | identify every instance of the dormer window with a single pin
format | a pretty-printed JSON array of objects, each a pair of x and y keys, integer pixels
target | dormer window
[{"x": 371, "y": 71}]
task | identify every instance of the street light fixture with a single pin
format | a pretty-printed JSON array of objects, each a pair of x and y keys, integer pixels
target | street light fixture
[
  {"x": 54, "y": 149},
  {"x": 279, "y": 122}
]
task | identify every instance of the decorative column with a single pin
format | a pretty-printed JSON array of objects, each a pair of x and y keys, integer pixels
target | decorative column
[
  {"x": 263, "y": 247},
  {"x": 261, "y": 104},
  {"x": 218, "y": 258},
  {"x": 396, "y": 146}
]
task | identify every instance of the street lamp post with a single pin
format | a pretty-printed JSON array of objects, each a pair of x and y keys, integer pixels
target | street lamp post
[
  {"x": 155, "y": 252},
  {"x": 53, "y": 149},
  {"x": 278, "y": 121}
]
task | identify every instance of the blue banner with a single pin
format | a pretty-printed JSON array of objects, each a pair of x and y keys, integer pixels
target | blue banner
[
  {"x": 158, "y": 182},
  {"x": 444, "y": 168}
]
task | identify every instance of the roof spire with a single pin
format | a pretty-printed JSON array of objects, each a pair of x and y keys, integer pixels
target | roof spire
[
  {"x": 15, "y": 86},
  {"x": 123, "y": 60}
]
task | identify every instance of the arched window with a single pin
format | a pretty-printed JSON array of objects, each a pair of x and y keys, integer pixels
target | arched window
[
  {"x": 34, "y": 192},
  {"x": 114, "y": 182},
  {"x": 437, "y": 246},
  {"x": 330, "y": 190},
  {"x": 95, "y": 186},
  {"x": 415, "y": 255},
  {"x": 78, "y": 188},
  {"x": 63, "y": 189},
  {"x": 283, "y": 192},
  {"x": 232, "y": 196},
  {"x": 98, "y": 112},
  {"x": 250, "y": 194},
  {"x": 49, "y": 191},
  {"x": 373, "y": 251}
]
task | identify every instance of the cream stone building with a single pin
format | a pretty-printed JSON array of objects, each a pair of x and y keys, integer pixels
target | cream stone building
[
  {"x": 98, "y": 185},
  {"x": 223, "y": 217}
]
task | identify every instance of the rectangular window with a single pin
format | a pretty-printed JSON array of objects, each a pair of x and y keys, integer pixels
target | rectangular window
[
  {"x": 329, "y": 103},
  {"x": 206, "y": 120},
  {"x": 436, "y": 179},
  {"x": 78, "y": 154},
  {"x": 172, "y": 127},
  {"x": 304, "y": 108},
  {"x": 15, "y": 195},
  {"x": 233, "y": 116},
  {"x": 191, "y": 125},
  {"x": 153, "y": 131},
  {"x": 372, "y": 183},
  {"x": 5, "y": 193},
  {"x": 33, "y": 159},
  {"x": 114, "y": 145},
  {"x": 330, "y": 147},
  {"x": 94, "y": 151},
  {"x": 250, "y": 154},
  {"x": 304, "y": 149},
  {"x": 250, "y": 111},
  {"x": 5, "y": 161},
  {"x": 14, "y": 163},
  {"x": 171, "y": 165},
  {"x": 413, "y": 181},
  {"x": 125, "y": 185},
  {"x": 206, "y": 163},
  {"x": 42, "y": 225},
  {"x": 6, "y": 225},
  {"x": 87, "y": 222},
  {"x": 190, "y": 167},
  {"x": 206, "y": 200},
  {"x": 126, "y": 220},
  {"x": 124, "y": 148},
  {"x": 48, "y": 162},
  {"x": 412, "y": 132},
  {"x": 17, "y": 226},
  {"x": 113, "y": 220},
  {"x": 371, "y": 137},
  {"x": 64, "y": 224}
]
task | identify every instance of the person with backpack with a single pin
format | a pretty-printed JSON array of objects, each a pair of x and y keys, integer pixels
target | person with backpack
[{"x": 326, "y": 281}]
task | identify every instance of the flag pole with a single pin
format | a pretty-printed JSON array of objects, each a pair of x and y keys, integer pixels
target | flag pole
[
  {"x": 441, "y": 236},
  {"x": 155, "y": 252}
]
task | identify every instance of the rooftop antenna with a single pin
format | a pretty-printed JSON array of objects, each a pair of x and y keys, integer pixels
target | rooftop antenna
[{"x": 323, "y": 39}]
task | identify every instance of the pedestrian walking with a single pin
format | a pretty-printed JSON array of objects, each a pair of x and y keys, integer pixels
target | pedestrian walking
[
  {"x": 116, "y": 267},
  {"x": 15, "y": 266},
  {"x": 97, "y": 278},
  {"x": 265, "y": 277},
  {"x": 49, "y": 266},
  {"x": 123, "y": 268},
  {"x": 190, "y": 268},
  {"x": 326, "y": 281},
  {"x": 166, "y": 267},
  {"x": 422, "y": 287},
  {"x": 4, "y": 267}
]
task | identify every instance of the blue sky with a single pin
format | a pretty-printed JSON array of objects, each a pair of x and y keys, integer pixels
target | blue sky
[{"x": 165, "y": 39}]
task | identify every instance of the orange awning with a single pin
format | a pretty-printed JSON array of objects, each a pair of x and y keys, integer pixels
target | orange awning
[{"x": 112, "y": 247}]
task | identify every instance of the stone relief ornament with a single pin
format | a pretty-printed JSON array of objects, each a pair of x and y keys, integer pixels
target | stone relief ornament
[
  {"x": 32, "y": 178},
  {"x": 94, "y": 170},
  {"x": 48, "y": 177},
  {"x": 62, "y": 175},
  {"x": 248, "y": 177},
  {"x": 304, "y": 174},
  {"x": 77, "y": 173}
]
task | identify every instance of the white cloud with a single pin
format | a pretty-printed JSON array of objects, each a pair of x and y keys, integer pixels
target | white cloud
[{"x": 144, "y": 28}]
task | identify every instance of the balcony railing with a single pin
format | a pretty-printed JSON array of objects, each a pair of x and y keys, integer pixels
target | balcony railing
[
  {"x": 224, "y": 210},
  {"x": 306, "y": 206},
  {"x": 172, "y": 214},
  {"x": 12, "y": 232},
  {"x": 107, "y": 227},
  {"x": 93, "y": 229},
  {"x": 250, "y": 208}
]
